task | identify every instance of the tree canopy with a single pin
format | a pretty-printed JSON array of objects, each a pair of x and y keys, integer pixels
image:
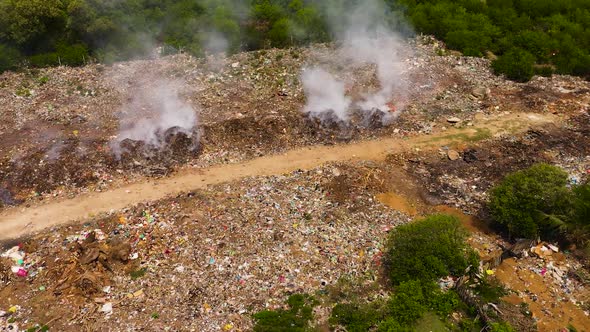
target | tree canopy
[{"x": 529, "y": 37}]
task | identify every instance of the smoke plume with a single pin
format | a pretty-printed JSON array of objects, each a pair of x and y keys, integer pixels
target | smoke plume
[
  {"x": 154, "y": 111},
  {"x": 325, "y": 95},
  {"x": 365, "y": 38}
]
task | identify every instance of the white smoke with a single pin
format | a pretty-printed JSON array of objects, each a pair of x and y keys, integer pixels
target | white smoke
[
  {"x": 216, "y": 47},
  {"x": 325, "y": 94},
  {"x": 215, "y": 43},
  {"x": 365, "y": 38},
  {"x": 154, "y": 108}
]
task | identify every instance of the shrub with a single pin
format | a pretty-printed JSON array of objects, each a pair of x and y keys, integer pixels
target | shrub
[
  {"x": 9, "y": 58},
  {"x": 44, "y": 60},
  {"x": 578, "y": 227},
  {"x": 443, "y": 303},
  {"x": 295, "y": 319},
  {"x": 501, "y": 327},
  {"x": 72, "y": 55},
  {"x": 428, "y": 249},
  {"x": 357, "y": 317},
  {"x": 528, "y": 200},
  {"x": 391, "y": 325},
  {"x": 517, "y": 64},
  {"x": 408, "y": 303}
]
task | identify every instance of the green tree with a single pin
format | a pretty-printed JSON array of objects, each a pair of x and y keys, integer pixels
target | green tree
[
  {"x": 33, "y": 23},
  {"x": 532, "y": 201},
  {"x": 428, "y": 249},
  {"x": 517, "y": 64}
]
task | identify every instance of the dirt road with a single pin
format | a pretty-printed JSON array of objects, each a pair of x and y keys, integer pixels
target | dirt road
[{"x": 17, "y": 222}]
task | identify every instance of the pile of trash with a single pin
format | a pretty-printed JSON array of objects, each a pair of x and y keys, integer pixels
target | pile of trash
[
  {"x": 58, "y": 123},
  {"x": 209, "y": 259}
]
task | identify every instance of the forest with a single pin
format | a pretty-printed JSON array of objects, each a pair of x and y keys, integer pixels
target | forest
[{"x": 522, "y": 37}]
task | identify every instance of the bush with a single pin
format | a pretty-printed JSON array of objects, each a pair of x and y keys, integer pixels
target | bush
[
  {"x": 9, "y": 58},
  {"x": 44, "y": 60},
  {"x": 517, "y": 64},
  {"x": 408, "y": 303},
  {"x": 501, "y": 327},
  {"x": 72, "y": 55},
  {"x": 443, "y": 303},
  {"x": 357, "y": 317},
  {"x": 428, "y": 249},
  {"x": 527, "y": 201},
  {"x": 578, "y": 227},
  {"x": 295, "y": 319}
]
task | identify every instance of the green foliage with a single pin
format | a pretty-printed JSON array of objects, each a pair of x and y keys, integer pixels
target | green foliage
[
  {"x": 295, "y": 319},
  {"x": 408, "y": 303},
  {"x": 526, "y": 201},
  {"x": 538, "y": 202},
  {"x": 391, "y": 325},
  {"x": 470, "y": 325},
  {"x": 38, "y": 328},
  {"x": 551, "y": 32},
  {"x": 31, "y": 23},
  {"x": 356, "y": 317},
  {"x": 43, "y": 80},
  {"x": 521, "y": 33},
  {"x": 443, "y": 303},
  {"x": 9, "y": 58},
  {"x": 578, "y": 223},
  {"x": 490, "y": 290},
  {"x": 501, "y": 327},
  {"x": 428, "y": 249},
  {"x": 71, "y": 55},
  {"x": 517, "y": 64}
]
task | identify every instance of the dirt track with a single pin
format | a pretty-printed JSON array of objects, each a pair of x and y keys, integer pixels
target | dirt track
[{"x": 18, "y": 222}]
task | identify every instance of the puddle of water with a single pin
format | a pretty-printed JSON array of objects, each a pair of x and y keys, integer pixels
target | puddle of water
[{"x": 397, "y": 202}]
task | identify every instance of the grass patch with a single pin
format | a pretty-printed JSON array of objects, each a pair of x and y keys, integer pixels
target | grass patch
[{"x": 431, "y": 322}]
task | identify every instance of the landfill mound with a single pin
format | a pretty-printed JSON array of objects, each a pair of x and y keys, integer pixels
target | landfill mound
[
  {"x": 207, "y": 259},
  {"x": 58, "y": 125}
]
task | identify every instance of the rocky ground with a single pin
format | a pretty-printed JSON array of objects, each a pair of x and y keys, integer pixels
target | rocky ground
[{"x": 206, "y": 260}]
